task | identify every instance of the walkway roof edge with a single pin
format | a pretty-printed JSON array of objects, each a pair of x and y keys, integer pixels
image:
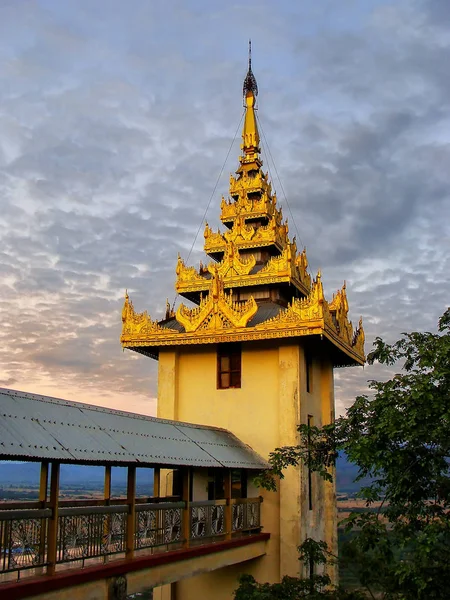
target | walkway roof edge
[{"x": 36, "y": 427}]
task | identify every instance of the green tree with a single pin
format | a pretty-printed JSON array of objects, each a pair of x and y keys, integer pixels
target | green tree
[
  {"x": 314, "y": 587},
  {"x": 400, "y": 438}
]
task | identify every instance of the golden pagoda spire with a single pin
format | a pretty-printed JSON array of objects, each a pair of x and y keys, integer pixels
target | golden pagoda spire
[
  {"x": 250, "y": 134},
  {"x": 254, "y": 266}
]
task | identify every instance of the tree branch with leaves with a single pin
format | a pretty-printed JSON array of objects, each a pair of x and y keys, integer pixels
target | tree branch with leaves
[{"x": 399, "y": 437}]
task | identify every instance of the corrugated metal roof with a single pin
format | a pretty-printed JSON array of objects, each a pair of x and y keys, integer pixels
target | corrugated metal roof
[
  {"x": 34, "y": 427},
  {"x": 172, "y": 324},
  {"x": 266, "y": 310}
]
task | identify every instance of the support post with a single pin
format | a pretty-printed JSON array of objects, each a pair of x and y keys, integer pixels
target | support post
[
  {"x": 107, "y": 485},
  {"x": 107, "y": 520},
  {"x": 228, "y": 507},
  {"x": 53, "y": 521},
  {"x": 131, "y": 517},
  {"x": 186, "y": 524},
  {"x": 156, "y": 482},
  {"x": 43, "y": 484}
]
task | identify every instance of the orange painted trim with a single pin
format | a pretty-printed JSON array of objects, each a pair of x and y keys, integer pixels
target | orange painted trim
[{"x": 73, "y": 577}]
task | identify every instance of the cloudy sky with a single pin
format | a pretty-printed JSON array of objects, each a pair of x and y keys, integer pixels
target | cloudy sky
[{"x": 115, "y": 121}]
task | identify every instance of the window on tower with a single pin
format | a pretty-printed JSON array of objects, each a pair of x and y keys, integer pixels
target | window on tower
[
  {"x": 309, "y": 371},
  {"x": 229, "y": 358}
]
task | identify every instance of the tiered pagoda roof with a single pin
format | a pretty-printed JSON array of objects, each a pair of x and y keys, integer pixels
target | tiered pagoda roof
[{"x": 257, "y": 284}]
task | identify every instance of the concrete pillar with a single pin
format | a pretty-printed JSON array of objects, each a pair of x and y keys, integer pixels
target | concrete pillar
[
  {"x": 164, "y": 592},
  {"x": 329, "y": 488},
  {"x": 289, "y": 417},
  {"x": 168, "y": 385}
]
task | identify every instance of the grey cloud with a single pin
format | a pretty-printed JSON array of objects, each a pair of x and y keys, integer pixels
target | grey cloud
[{"x": 113, "y": 131}]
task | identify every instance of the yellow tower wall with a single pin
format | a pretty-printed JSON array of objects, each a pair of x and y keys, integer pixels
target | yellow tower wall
[{"x": 264, "y": 413}]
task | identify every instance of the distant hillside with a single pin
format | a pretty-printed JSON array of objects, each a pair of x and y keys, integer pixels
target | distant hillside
[
  {"x": 346, "y": 473},
  {"x": 27, "y": 474}
]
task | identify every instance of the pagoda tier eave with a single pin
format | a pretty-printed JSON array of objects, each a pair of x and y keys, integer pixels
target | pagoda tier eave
[
  {"x": 244, "y": 245},
  {"x": 343, "y": 354},
  {"x": 194, "y": 289},
  {"x": 220, "y": 317},
  {"x": 249, "y": 216}
]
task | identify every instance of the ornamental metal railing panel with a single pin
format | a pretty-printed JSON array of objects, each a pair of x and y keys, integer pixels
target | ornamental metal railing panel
[
  {"x": 158, "y": 524},
  {"x": 207, "y": 519},
  {"x": 91, "y": 532},
  {"x": 246, "y": 515},
  {"x": 23, "y": 539}
]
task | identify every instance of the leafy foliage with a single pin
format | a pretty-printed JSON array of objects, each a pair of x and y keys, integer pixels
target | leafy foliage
[
  {"x": 290, "y": 588},
  {"x": 315, "y": 587},
  {"x": 400, "y": 437}
]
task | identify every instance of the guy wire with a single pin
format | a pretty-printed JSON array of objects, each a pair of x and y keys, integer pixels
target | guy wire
[
  {"x": 212, "y": 196},
  {"x": 269, "y": 154}
]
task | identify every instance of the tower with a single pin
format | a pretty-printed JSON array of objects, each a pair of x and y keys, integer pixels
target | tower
[{"x": 255, "y": 354}]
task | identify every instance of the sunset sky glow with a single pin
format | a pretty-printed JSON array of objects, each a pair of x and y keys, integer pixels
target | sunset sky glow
[{"x": 115, "y": 121}]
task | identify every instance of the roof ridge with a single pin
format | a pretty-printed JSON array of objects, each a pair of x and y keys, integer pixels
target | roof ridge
[{"x": 104, "y": 409}]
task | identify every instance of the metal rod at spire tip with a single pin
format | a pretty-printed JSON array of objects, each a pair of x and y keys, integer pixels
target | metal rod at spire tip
[{"x": 250, "y": 84}]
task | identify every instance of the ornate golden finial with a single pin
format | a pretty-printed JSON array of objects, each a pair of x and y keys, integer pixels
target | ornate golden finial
[
  {"x": 169, "y": 311},
  {"x": 250, "y": 134},
  {"x": 359, "y": 338},
  {"x": 127, "y": 309},
  {"x": 216, "y": 287}
]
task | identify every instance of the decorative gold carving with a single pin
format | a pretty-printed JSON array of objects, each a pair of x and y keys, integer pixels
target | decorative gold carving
[
  {"x": 188, "y": 275},
  {"x": 359, "y": 338},
  {"x": 300, "y": 311},
  {"x": 241, "y": 282},
  {"x": 232, "y": 264},
  {"x": 139, "y": 324},
  {"x": 274, "y": 232},
  {"x": 214, "y": 241},
  {"x": 339, "y": 309},
  {"x": 288, "y": 264},
  {"x": 246, "y": 236},
  {"x": 240, "y": 231},
  {"x": 331, "y": 317},
  {"x": 219, "y": 319},
  {"x": 250, "y": 133},
  {"x": 246, "y": 184},
  {"x": 247, "y": 334},
  {"x": 279, "y": 265},
  {"x": 301, "y": 264},
  {"x": 261, "y": 206},
  {"x": 217, "y": 310},
  {"x": 236, "y": 271},
  {"x": 169, "y": 311}
]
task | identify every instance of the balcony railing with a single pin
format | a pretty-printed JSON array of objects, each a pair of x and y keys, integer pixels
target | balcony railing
[
  {"x": 23, "y": 539},
  {"x": 96, "y": 532}
]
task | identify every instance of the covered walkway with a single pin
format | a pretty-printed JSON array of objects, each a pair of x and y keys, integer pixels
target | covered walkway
[{"x": 203, "y": 502}]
